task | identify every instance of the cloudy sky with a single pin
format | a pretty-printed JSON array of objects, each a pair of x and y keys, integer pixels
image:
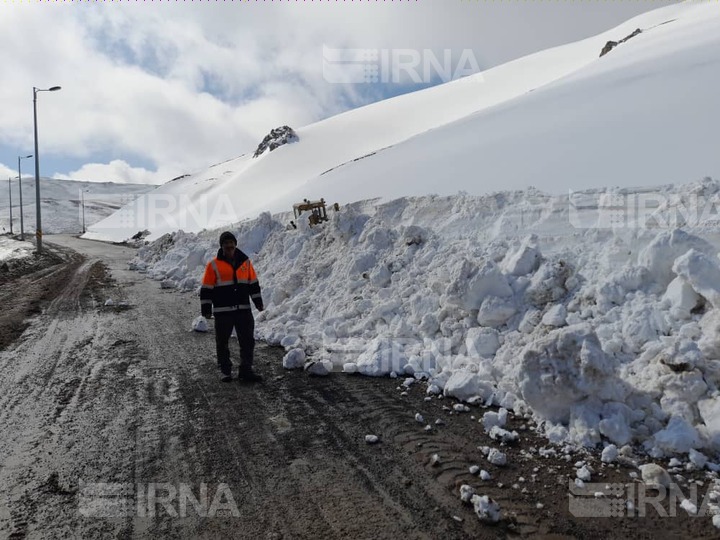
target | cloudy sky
[{"x": 152, "y": 90}]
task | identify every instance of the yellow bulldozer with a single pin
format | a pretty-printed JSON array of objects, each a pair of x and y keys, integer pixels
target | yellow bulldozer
[{"x": 317, "y": 209}]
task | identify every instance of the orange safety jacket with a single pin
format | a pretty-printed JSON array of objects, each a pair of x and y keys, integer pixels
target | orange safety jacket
[{"x": 228, "y": 286}]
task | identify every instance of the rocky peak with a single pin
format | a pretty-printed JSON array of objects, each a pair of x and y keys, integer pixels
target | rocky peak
[{"x": 276, "y": 137}]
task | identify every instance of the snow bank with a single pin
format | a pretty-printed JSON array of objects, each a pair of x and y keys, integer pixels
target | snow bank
[
  {"x": 603, "y": 335},
  {"x": 14, "y": 249}
]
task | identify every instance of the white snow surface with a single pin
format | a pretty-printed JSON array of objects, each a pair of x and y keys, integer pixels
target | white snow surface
[
  {"x": 559, "y": 119},
  {"x": 14, "y": 249},
  {"x": 597, "y": 313}
]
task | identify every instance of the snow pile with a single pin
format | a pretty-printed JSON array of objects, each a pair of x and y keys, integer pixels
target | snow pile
[
  {"x": 14, "y": 249},
  {"x": 603, "y": 335}
]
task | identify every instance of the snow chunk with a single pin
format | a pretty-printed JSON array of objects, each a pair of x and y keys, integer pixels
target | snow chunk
[
  {"x": 487, "y": 510},
  {"x": 492, "y": 419},
  {"x": 470, "y": 285},
  {"x": 548, "y": 283},
  {"x": 702, "y": 273},
  {"x": 658, "y": 256},
  {"x": 697, "y": 458},
  {"x": 563, "y": 368},
  {"x": 583, "y": 474},
  {"x": 464, "y": 385},
  {"x": 709, "y": 342},
  {"x": 483, "y": 342},
  {"x": 678, "y": 437},
  {"x": 200, "y": 324},
  {"x": 294, "y": 359},
  {"x": 318, "y": 368},
  {"x": 682, "y": 298},
  {"x": 433, "y": 389},
  {"x": 525, "y": 260},
  {"x": 609, "y": 453},
  {"x": 555, "y": 316},
  {"x": 505, "y": 436},
  {"x": 496, "y": 457},
  {"x": 689, "y": 507},
  {"x": 290, "y": 342},
  {"x": 615, "y": 424},
  {"x": 381, "y": 357},
  {"x": 495, "y": 311},
  {"x": 530, "y": 320},
  {"x": 710, "y": 413},
  {"x": 654, "y": 475},
  {"x": 466, "y": 493}
]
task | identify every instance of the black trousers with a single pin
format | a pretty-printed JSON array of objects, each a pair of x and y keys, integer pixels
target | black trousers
[{"x": 244, "y": 324}]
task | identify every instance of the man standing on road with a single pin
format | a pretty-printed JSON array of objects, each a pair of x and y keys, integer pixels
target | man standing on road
[{"x": 228, "y": 286}]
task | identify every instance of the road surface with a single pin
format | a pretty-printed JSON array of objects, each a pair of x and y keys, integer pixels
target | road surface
[{"x": 115, "y": 425}]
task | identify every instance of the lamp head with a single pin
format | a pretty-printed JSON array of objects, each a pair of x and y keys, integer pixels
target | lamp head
[{"x": 54, "y": 88}]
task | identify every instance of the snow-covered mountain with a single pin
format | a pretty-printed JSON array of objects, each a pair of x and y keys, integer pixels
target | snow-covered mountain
[
  {"x": 62, "y": 203},
  {"x": 564, "y": 118}
]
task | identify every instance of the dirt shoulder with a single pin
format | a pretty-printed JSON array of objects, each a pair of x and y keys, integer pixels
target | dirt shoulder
[{"x": 28, "y": 284}]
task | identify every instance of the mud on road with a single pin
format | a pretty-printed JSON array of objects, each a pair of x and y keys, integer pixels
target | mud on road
[{"x": 115, "y": 425}]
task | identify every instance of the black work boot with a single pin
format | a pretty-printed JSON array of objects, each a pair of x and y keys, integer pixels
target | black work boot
[{"x": 249, "y": 376}]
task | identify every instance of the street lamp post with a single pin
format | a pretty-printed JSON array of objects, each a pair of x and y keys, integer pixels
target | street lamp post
[
  {"x": 10, "y": 190},
  {"x": 22, "y": 225},
  {"x": 38, "y": 232},
  {"x": 82, "y": 196}
]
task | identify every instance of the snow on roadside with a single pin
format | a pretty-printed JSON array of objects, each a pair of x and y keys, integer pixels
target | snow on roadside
[
  {"x": 14, "y": 249},
  {"x": 602, "y": 334}
]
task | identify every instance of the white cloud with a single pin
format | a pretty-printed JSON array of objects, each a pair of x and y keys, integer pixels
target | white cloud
[
  {"x": 117, "y": 171},
  {"x": 7, "y": 172}
]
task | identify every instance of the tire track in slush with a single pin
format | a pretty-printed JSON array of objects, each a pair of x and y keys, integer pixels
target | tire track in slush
[
  {"x": 346, "y": 411},
  {"x": 393, "y": 419}
]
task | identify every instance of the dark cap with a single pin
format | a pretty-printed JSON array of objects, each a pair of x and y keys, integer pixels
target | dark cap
[{"x": 227, "y": 235}]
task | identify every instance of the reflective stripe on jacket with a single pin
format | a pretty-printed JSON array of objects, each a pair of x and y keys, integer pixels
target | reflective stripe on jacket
[{"x": 229, "y": 286}]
